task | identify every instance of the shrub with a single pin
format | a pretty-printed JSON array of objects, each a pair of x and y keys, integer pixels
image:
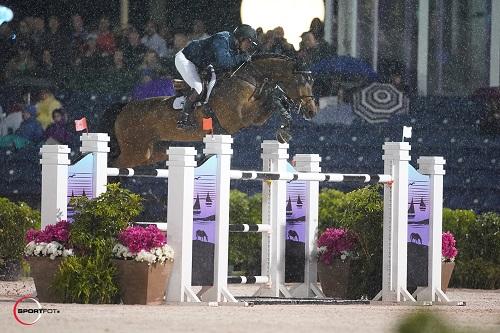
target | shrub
[
  {"x": 360, "y": 211},
  {"x": 15, "y": 220},
  {"x": 245, "y": 248}
]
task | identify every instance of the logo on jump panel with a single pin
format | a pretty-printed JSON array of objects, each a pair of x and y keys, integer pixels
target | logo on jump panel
[{"x": 27, "y": 310}]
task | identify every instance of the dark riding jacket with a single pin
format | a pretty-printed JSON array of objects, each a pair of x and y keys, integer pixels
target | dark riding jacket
[{"x": 218, "y": 50}]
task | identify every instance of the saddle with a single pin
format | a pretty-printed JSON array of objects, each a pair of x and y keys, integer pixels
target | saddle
[{"x": 182, "y": 88}]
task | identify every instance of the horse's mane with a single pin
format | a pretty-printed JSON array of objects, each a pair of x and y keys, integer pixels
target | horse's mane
[{"x": 263, "y": 56}]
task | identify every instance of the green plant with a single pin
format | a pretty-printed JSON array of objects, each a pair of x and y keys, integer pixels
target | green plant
[
  {"x": 245, "y": 248},
  {"x": 88, "y": 279},
  {"x": 426, "y": 322},
  {"x": 103, "y": 217},
  {"x": 360, "y": 211},
  {"x": 15, "y": 220}
]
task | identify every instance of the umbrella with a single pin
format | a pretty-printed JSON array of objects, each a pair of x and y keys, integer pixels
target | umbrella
[{"x": 379, "y": 101}]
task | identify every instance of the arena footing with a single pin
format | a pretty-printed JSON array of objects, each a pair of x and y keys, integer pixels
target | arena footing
[{"x": 252, "y": 300}]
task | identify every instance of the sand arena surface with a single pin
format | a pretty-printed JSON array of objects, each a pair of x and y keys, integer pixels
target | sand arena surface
[{"x": 482, "y": 312}]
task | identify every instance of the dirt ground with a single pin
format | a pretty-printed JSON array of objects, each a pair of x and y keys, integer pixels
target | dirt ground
[{"x": 481, "y": 314}]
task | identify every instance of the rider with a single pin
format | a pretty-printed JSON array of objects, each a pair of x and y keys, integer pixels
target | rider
[{"x": 223, "y": 50}]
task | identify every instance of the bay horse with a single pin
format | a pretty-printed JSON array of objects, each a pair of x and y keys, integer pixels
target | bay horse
[{"x": 238, "y": 100}]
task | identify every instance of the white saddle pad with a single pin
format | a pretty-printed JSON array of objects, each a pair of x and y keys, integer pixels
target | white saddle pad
[{"x": 179, "y": 103}]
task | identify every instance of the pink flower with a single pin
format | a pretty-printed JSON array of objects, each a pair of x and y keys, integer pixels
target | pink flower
[
  {"x": 448, "y": 249},
  {"x": 58, "y": 232},
  {"x": 335, "y": 241},
  {"x": 139, "y": 238}
]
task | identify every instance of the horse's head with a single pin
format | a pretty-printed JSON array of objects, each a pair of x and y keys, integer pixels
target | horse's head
[{"x": 295, "y": 79}]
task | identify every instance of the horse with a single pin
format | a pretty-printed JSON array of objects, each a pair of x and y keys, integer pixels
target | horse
[
  {"x": 242, "y": 99},
  {"x": 292, "y": 234},
  {"x": 201, "y": 234},
  {"x": 415, "y": 237}
]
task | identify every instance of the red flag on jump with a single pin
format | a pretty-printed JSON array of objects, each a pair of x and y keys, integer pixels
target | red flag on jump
[
  {"x": 81, "y": 124},
  {"x": 207, "y": 125}
]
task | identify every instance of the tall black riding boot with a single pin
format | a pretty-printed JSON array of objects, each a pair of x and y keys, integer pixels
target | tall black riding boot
[{"x": 189, "y": 104}]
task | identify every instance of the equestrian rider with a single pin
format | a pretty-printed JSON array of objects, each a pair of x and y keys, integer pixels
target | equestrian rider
[{"x": 223, "y": 50}]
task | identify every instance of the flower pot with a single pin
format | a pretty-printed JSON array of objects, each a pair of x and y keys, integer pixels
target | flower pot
[
  {"x": 43, "y": 271},
  {"x": 446, "y": 271},
  {"x": 141, "y": 283},
  {"x": 334, "y": 278}
]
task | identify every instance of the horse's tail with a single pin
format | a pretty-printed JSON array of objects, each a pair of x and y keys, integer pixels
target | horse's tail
[{"x": 107, "y": 125}]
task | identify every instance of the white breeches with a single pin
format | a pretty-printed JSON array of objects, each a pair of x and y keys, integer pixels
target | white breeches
[{"x": 188, "y": 72}]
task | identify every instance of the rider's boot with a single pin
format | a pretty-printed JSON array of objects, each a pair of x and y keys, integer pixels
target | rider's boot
[{"x": 185, "y": 121}]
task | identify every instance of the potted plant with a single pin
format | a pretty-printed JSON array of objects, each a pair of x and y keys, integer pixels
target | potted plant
[
  {"x": 448, "y": 254},
  {"x": 336, "y": 249},
  {"x": 15, "y": 220},
  {"x": 144, "y": 262},
  {"x": 90, "y": 275},
  {"x": 43, "y": 251}
]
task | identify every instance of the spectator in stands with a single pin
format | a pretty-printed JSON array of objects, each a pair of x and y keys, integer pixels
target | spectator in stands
[
  {"x": 23, "y": 33},
  {"x": 152, "y": 40},
  {"x": 46, "y": 68},
  {"x": 279, "y": 43},
  {"x": 91, "y": 59},
  {"x": 260, "y": 36},
  {"x": 151, "y": 65},
  {"x": 47, "y": 103},
  {"x": 30, "y": 128},
  {"x": 105, "y": 39},
  {"x": 58, "y": 130},
  {"x": 12, "y": 120},
  {"x": 78, "y": 36},
  {"x": 317, "y": 28},
  {"x": 180, "y": 41},
  {"x": 133, "y": 50},
  {"x": 38, "y": 38},
  {"x": 198, "y": 30},
  {"x": 312, "y": 51},
  {"x": 57, "y": 42},
  {"x": 22, "y": 64}
]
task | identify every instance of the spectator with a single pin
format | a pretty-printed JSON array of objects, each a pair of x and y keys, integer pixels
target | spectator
[
  {"x": 58, "y": 130},
  {"x": 7, "y": 50},
  {"x": 105, "y": 39},
  {"x": 78, "y": 36},
  {"x": 23, "y": 33},
  {"x": 151, "y": 65},
  {"x": 317, "y": 28},
  {"x": 47, "y": 103},
  {"x": 280, "y": 45},
  {"x": 198, "y": 30},
  {"x": 57, "y": 42},
  {"x": 152, "y": 40},
  {"x": 134, "y": 51},
  {"x": 312, "y": 51},
  {"x": 90, "y": 60},
  {"x": 38, "y": 38},
  {"x": 30, "y": 128},
  {"x": 22, "y": 64},
  {"x": 12, "y": 120},
  {"x": 180, "y": 41},
  {"x": 46, "y": 68}
]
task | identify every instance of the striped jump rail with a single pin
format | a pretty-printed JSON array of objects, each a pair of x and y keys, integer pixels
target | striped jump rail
[
  {"x": 247, "y": 279},
  {"x": 310, "y": 176},
  {"x": 250, "y": 228},
  {"x": 129, "y": 172}
]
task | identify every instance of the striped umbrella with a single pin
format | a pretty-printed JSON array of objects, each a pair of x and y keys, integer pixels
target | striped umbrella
[{"x": 379, "y": 101}]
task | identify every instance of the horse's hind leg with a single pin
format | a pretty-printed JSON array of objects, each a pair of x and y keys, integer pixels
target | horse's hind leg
[{"x": 159, "y": 154}]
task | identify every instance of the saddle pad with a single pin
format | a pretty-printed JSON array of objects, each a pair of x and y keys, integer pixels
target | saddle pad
[{"x": 178, "y": 103}]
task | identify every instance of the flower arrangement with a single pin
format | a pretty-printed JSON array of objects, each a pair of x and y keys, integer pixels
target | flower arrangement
[
  {"x": 143, "y": 244},
  {"x": 52, "y": 241},
  {"x": 448, "y": 249},
  {"x": 336, "y": 243}
]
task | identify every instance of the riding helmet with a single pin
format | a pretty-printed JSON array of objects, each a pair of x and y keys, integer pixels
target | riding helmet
[{"x": 245, "y": 31}]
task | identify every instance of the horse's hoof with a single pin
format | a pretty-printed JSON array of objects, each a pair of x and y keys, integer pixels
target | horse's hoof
[{"x": 283, "y": 136}]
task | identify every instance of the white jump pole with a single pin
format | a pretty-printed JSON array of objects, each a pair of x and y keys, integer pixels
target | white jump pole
[
  {"x": 274, "y": 159},
  {"x": 434, "y": 167},
  {"x": 394, "y": 263},
  {"x": 97, "y": 144},
  {"x": 54, "y": 194},
  {"x": 181, "y": 163},
  {"x": 310, "y": 163},
  {"x": 220, "y": 145}
]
